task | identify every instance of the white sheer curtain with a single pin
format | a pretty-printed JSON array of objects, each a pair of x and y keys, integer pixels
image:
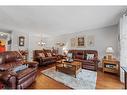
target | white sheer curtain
[{"x": 123, "y": 45}]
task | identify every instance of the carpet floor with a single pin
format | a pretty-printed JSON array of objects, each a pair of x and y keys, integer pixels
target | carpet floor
[{"x": 85, "y": 79}]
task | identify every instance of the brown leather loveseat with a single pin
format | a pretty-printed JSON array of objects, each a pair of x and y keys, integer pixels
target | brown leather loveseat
[
  {"x": 44, "y": 57},
  {"x": 81, "y": 55},
  {"x": 15, "y": 73}
]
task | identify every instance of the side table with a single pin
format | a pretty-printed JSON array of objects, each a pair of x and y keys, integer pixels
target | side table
[{"x": 111, "y": 66}]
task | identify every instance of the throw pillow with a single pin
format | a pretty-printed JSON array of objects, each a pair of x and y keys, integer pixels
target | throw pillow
[
  {"x": 49, "y": 54},
  {"x": 53, "y": 54},
  {"x": 41, "y": 54},
  {"x": 90, "y": 56}
]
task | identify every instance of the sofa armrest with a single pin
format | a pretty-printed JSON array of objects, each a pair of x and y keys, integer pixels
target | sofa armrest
[
  {"x": 96, "y": 60},
  {"x": 59, "y": 56},
  {"x": 9, "y": 79},
  {"x": 32, "y": 64},
  {"x": 37, "y": 57}
]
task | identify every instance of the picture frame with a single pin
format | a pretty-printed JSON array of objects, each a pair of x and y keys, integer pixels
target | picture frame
[
  {"x": 21, "y": 40},
  {"x": 90, "y": 40},
  {"x": 81, "y": 41},
  {"x": 73, "y": 42}
]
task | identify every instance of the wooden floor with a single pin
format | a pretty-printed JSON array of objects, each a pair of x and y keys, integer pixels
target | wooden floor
[{"x": 104, "y": 81}]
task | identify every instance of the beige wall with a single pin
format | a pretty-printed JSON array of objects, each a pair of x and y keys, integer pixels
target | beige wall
[{"x": 104, "y": 37}]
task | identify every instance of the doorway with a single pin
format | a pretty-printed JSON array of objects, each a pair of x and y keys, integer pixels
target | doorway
[{"x": 5, "y": 41}]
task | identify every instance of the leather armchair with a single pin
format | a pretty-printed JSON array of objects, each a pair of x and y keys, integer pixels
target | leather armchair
[{"x": 16, "y": 80}]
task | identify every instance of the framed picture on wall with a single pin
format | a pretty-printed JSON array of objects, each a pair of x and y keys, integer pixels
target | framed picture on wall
[
  {"x": 90, "y": 40},
  {"x": 73, "y": 42},
  {"x": 81, "y": 41},
  {"x": 21, "y": 40}
]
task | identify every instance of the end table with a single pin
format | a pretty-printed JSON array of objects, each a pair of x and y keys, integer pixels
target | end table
[{"x": 111, "y": 66}]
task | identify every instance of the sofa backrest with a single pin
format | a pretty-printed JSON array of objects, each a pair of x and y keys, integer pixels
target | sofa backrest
[
  {"x": 80, "y": 54},
  {"x": 45, "y": 51},
  {"x": 10, "y": 56},
  {"x": 36, "y": 53}
]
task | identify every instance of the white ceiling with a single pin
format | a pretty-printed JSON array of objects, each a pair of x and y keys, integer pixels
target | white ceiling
[{"x": 57, "y": 20}]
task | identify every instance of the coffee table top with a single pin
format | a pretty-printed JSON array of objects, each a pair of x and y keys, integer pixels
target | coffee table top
[{"x": 74, "y": 63}]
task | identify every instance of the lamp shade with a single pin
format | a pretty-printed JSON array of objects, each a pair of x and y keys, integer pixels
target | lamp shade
[{"x": 109, "y": 50}]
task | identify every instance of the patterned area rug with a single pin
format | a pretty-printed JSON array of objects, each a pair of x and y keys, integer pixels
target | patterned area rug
[{"x": 84, "y": 80}]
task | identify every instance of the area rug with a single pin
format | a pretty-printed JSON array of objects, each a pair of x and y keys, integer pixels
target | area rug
[{"x": 84, "y": 80}]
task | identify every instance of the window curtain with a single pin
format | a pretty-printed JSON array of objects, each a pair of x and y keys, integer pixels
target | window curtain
[{"x": 123, "y": 45}]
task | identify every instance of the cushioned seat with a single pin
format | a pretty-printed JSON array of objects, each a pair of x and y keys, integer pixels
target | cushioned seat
[
  {"x": 87, "y": 61},
  {"x": 25, "y": 72}
]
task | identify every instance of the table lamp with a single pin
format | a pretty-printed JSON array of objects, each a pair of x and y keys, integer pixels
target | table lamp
[
  {"x": 65, "y": 52},
  {"x": 109, "y": 53}
]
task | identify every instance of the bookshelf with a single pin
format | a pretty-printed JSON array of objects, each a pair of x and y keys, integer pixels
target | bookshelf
[{"x": 111, "y": 66}]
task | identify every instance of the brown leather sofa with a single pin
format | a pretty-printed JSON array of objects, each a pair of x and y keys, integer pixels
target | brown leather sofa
[
  {"x": 81, "y": 55},
  {"x": 21, "y": 79},
  {"x": 43, "y": 58}
]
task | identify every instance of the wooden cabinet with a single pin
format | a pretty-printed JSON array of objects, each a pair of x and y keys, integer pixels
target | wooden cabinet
[{"x": 111, "y": 66}]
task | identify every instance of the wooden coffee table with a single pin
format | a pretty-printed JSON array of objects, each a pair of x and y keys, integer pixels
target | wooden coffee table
[{"x": 72, "y": 68}]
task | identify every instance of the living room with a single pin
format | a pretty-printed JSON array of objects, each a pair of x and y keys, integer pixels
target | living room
[{"x": 63, "y": 47}]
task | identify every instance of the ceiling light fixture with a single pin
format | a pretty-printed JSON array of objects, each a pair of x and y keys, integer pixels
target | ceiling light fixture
[{"x": 41, "y": 43}]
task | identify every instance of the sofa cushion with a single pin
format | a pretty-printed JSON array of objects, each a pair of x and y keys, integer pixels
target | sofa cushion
[
  {"x": 49, "y": 54},
  {"x": 53, "y": 54},
  {"x": 87, "y": 61},
  {"x": 41, "y": 54},
  {"x": 90, "y": 56},
  {"x": 79, "y": 53},
  {"x": 25, "y": 72},
  {"x": 10, "y": 56},
  {"x": 48, "y": 58},
  {"x": 79, "y": 56}
]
